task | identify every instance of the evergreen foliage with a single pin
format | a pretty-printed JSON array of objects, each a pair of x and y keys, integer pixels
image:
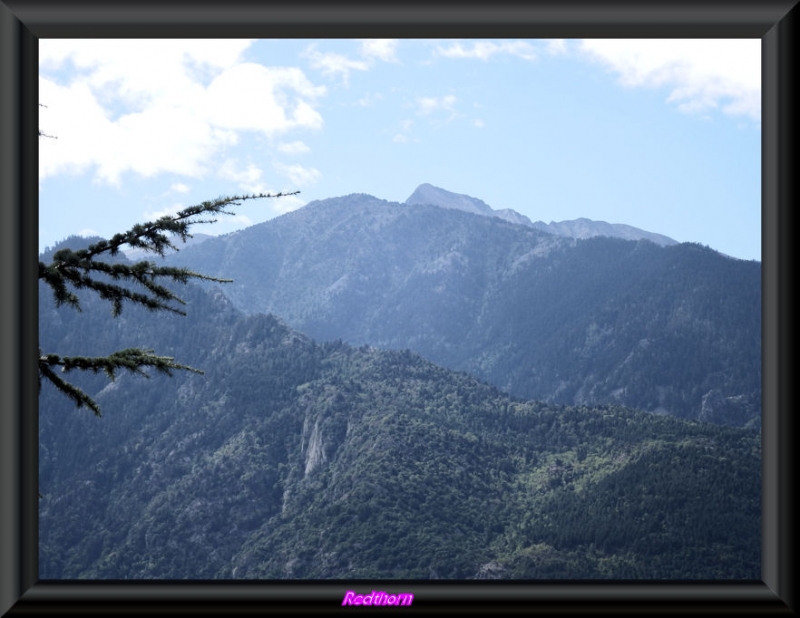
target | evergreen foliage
[
  {"x": 120, "y": 282},
  {"x": 292, "y": 459},
  {"x": 673, "y": 330}
]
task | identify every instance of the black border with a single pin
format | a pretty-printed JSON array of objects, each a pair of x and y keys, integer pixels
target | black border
[{"x": 22, "y": 23}]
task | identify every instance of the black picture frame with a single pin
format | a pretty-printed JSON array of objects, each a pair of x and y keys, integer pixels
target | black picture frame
[{"x": 22, "y": 23}]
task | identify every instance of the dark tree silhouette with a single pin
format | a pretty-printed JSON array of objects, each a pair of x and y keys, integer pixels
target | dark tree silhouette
[{"x": 139, "y": 283}]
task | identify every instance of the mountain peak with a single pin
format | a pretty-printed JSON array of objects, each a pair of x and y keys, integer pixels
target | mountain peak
[
  {"x": 577, "y": 228},
  {"x": 428, "y": 194},
  {"x": 435, "y": 196},
  {"x": 587, "y": 228}
]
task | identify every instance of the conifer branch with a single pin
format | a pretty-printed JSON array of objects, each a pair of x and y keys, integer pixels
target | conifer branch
[
  {"x": 150, "y": 236},
  {"x": 71, "y": 267},
  {"x": 131, "y": 359},
  {"x": 80, "y": 270},
  {"x": 70, "y": 390}
]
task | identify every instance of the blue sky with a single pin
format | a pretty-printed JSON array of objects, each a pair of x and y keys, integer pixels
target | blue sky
[{"x": 664, "y": 135}]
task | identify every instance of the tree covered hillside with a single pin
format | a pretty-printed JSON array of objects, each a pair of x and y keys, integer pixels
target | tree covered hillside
[
  {"x": 293, "y": 459},
  {"x": 673, "y": 330}
]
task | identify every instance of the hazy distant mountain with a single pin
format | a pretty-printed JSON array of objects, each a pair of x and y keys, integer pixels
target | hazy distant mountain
[
  {"x": 293, "y": 459},
  {"x": 586, "y": 228},
  {"x": 578, "y": 228},
  {"x": 672, "y": 329},
  {"x": 428, "y": 194}
]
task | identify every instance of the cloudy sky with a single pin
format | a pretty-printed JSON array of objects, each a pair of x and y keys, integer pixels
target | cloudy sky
[{"x": 662, "y": 135}]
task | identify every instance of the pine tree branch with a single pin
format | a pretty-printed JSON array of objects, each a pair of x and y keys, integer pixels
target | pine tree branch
[
  {"x": 150, "y": 237},
  {"x": 78, "y": 269},
  {"x": 70, "y": 267},
  {"x": 73, "y": 392},
  {"x": 144, "y": 273},
  {"x": 130, "y": 359}
]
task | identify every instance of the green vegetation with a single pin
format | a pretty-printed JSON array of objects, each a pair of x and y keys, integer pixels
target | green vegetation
[
  {"x": 293, "y": 459},
  {"x": 674, "y": 330},
  {"x": 120, "y": 282}
]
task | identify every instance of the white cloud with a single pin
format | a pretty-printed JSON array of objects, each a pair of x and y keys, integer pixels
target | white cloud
[
  {"x": 369, "y": 99},
  {"x": 701, "y": 74},
  {"x": 556, "y": 47},
  {"x": 155, "y": 106},
  {"x": 169, "y": 211},
  {"x": 254, "y": 97},
  {"x": 299, "y": 175},
  {"x": 179, "y": 187},
  {"x": 333, "y": 64},
  {"x": 479, "y": 123},
  {"x": 339, "y": 65},
  {"x": 484, "y": 50},
  {"x": 294, "y": 148},
  {"x": 85, "y": 232},
  {"x": 401, "y": 137},
  {"x": 307, "y": 116},
  {"x": 287, "y": 204},
  {"x": 382, "y": 49},
  {"x": 428, "y": 105},
  {"x": 249, "y": 178},
  {"x": 141, "y": 73}
]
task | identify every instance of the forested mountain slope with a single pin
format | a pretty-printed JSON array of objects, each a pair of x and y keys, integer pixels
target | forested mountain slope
[
  {"x": 293, "y": 459},
  {"x": 669, "y": 329}
]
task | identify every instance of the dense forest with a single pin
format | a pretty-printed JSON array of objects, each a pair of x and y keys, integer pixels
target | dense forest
[
  {"x": 291, "y": 458},
  {"x": 667, "y": 329}
]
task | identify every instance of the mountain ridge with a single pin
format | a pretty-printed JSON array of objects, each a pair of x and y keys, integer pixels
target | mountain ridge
[
  {"x": 576, "y": 228},
  {"x": 563, "y": 320},
  {"x": 292, "y": 459}
]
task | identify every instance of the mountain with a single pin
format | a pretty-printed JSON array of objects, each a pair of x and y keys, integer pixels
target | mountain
[
  {"x": 578, "y": 228},
  {"x": 586, "y": 228},
  {"x": 294, "y": 459},
  {"x": 666, "y": 329},
  {"x": 434, "y": 196}
]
